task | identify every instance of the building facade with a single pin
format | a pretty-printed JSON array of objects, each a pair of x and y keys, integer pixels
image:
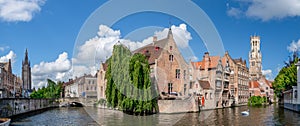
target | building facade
[
  {"x": 216, "y": 71},
  {"x": 101, "y": 81},
  {"x": 84, "y": 87},
  {"x": 169, "y": 70},
  {"x": 10, "y": 84}
]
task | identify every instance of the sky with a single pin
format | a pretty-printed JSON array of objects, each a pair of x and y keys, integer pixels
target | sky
[{"x": 59, "y": 48}]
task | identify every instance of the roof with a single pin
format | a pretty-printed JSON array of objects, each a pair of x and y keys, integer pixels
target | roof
[
  {"x": 255, "y": 84},
  {"x": 104, "y": 65},
  {"x": 213, "y": 62},
  {"x": 153, "y": 52},
  {"x": 204, "y": 84},
  {"x": 5, "y": 65}
]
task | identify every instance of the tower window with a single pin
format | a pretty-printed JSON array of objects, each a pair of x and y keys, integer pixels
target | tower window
[{"x": 171, "y": 47}]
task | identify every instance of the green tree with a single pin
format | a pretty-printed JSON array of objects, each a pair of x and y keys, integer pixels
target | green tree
[
  {"x": 286, "y": 78},
  {"x": 53, "y": 90}
]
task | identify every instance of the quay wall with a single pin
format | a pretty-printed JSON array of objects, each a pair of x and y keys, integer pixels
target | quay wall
[
  {"x": 178, "y": 106},
  {"x": 15, "y": 106}
]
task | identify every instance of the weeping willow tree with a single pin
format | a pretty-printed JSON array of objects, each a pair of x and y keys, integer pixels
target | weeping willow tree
[{"x": 129, "y": 85}]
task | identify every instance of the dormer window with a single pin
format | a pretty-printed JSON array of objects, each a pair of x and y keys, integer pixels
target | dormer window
[
  {"x": 156, "y": 48},
  {"x": 171, "y": 58}
]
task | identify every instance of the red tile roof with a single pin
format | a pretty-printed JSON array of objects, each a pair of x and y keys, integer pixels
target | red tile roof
[
  {"x": 212, "y": 62},
  {"x": 152, "y": 52},
  {"x": 255, "y": 84}
]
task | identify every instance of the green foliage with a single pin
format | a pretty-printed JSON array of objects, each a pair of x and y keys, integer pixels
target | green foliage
[
  {"x": 286, "y": 78},
  {"x": 257, "y": 100},
  {"x": 53, "y": 90},
  {"x": 128, "y": 82}
]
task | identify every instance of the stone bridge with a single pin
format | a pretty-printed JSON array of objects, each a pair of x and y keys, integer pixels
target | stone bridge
[{"x": 82, "y": 101}]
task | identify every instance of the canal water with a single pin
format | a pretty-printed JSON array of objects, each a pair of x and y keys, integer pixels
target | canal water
[{"x": 268, "y": 115}]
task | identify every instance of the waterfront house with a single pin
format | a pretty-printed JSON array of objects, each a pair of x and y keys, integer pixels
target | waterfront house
[
  {"x": 261, "y": 87},
  {"x": 291, "y": 98},
  {"x": 169, "y": 70},
  {"x": 84, "y": 86}
]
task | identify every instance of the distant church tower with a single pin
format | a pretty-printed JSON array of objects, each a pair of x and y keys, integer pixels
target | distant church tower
[
  {"x": 255, "y": 58},
  {"x": 26, "y": 73}
]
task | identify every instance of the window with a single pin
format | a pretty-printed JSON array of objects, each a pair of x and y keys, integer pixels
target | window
[
  {"x": 170, "y": 87},
  {"x": 177, "y": 73},
  {"x": 184, "y": 74},
  {"x": 191, "y": 85},
  {"x": 210, "y": 95},
  {"x": 171, "y": 58},
  {"x": 171, "y": 48},
  {"x": 184, "y": 89},
  {"x": 253, "y": 63},
  {"x": 196, "y": 85},
  {"x": 151, "y": 70},
  {"x": 267, "y": 88},
  {"x": 205, "y": 95},
  {"x": 296, "y": 94},
  {"x": 156, "y": 48}
]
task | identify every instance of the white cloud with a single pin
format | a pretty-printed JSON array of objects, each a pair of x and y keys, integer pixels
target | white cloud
[
  {"x": 3, "y": 48},
  {"x": 11, "y": 55},
  {"x": 99, "y": 48},
  {"x": 234, "y": 12},
  {"x": 19, "y": 10},
  {"x": 57, "y": 70},
  {"x": 268, "y": 74},
  {"x": 268, "y": 9},
  {"x": 294, "y": 46}
]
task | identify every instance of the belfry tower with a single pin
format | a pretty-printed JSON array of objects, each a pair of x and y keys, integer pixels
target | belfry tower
[{"x": 255, "y": 58}]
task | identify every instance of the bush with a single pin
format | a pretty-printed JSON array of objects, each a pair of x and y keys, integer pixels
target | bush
[{"x": 257, "y": 100}]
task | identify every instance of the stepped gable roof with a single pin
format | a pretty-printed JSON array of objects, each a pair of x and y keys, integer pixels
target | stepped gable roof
[
  {"x": 5, "y": 65},
  {"x": 204, "y": 84}
]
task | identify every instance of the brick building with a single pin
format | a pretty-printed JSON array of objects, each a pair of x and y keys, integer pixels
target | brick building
[
  {"x": 169, "y": 70},
  {"x": 10, "y": 84}
]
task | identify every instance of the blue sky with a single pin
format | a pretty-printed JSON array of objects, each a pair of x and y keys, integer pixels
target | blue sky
[{"x": 50, "y": 28}]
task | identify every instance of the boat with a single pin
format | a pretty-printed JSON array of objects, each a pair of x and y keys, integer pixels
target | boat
[
  {"x": 245, "y": 113},
  {"x": 4, "y": 121}
]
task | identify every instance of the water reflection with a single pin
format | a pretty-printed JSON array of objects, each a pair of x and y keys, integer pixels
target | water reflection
[{"x": 269, "y": 115}]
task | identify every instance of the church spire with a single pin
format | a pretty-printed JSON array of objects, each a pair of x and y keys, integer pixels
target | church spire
[{"x": 26, "y": 57}]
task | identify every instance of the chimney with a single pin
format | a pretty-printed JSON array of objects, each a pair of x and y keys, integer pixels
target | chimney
[{"x": 154, "y": 38}]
